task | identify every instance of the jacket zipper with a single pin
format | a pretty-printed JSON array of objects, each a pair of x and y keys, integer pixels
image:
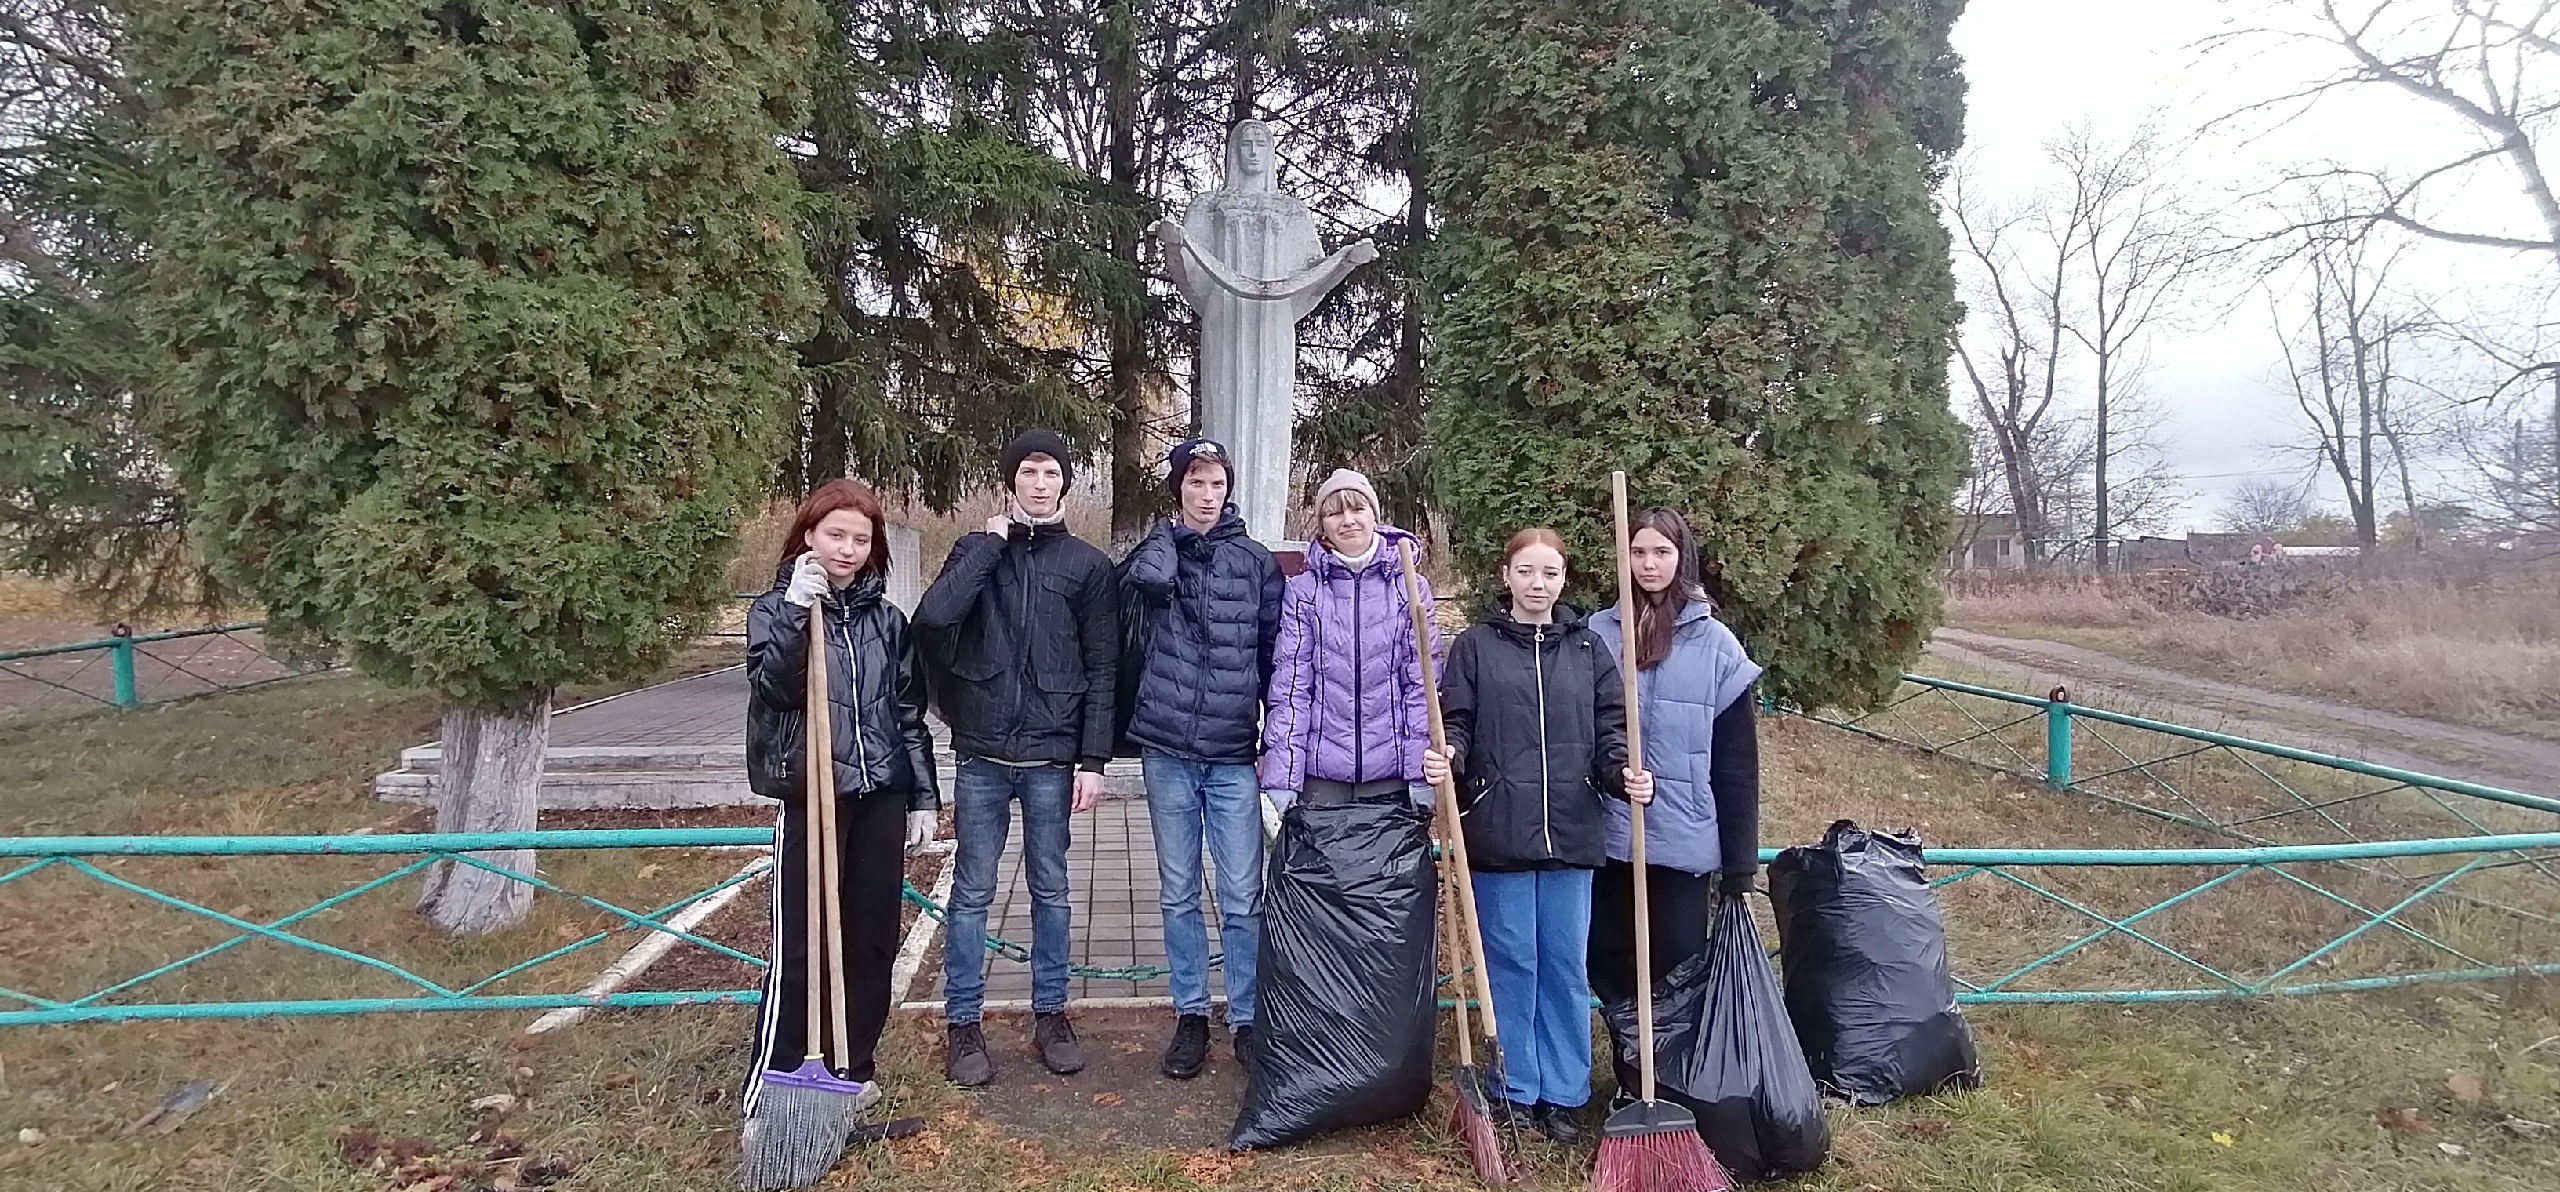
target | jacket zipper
[
  {"x": 1538, "y": 666},
  {"x": 1359, "y": 688},
  {"x": 853, "y": 679},
  {"x": 1023, "y": 579}
]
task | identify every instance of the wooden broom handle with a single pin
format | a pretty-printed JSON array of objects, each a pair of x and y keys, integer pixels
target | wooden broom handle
[
  {"x": 1447, "y": 792},
  {"x": 828, "y": 847},
  {"x": 1635, "y": 758},
  {"x": 1457, "y": 963},
  {"x": 821, "y": 760}
]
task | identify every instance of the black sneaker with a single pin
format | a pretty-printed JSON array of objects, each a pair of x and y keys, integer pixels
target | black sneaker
[
  {"x": 968, "y": 1065},
  {"x": 1510, "y": 1113},
  {"x": 1244, "y": 1039},
  {"x": 1189, "y": 1049},
  {"x": 1562, "y": 1126},
  {"x": 1055, "y": 1039}
]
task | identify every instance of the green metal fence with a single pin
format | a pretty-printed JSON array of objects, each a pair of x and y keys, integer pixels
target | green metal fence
[
  {"x": 2028, "y": 924},
  {"x": 2336, "y": 875},
  {"x": 128, "y": 670},
  {"x": 2252, "y": 792}
]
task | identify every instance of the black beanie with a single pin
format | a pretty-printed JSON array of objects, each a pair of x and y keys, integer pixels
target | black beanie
[
  {"x": 1037, "y": 442},
  {"x": 1177, "y": 462}
]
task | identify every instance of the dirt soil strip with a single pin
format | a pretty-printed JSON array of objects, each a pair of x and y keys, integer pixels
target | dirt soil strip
[{"x": 2385, "y": 738}]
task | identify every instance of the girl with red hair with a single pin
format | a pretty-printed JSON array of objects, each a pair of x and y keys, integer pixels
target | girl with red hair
[{"x": 834, "y": 570}]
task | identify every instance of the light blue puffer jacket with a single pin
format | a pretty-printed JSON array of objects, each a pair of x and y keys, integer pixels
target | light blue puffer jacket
[{"x": 1706, "y": 671}]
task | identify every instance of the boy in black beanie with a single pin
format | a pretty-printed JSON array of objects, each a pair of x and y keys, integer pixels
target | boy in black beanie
[{"x": 1022, "y": 630}]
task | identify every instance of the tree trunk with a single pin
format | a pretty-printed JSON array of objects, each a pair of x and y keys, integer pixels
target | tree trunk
[
  {"x": 1125, "y": 329},
  {"x": 2098, "y": 532},
  {"x": 492, "y": 779},
  {"x": 1414, "y": 509}
]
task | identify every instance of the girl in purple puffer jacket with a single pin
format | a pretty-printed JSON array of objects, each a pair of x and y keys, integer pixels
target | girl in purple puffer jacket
[{"x": 1345, "y": 717}]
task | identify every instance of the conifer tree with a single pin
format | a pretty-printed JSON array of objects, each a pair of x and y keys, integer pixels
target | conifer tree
[
  {"x": 476, "y": 316},
  {"x": 1694, "y": 239},
  {"x": 83, "y": 494}
]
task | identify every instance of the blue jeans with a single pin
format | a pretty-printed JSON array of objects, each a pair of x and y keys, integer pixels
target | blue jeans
[
  {"x": 982, "y": 796},
  {"x": 1188, "y": 799},
  {"x": 1537, "y": 939}
]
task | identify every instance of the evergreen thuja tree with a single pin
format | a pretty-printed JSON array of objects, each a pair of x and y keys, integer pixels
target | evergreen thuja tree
[
  {"x": 475, "y": 315},
  {"x": 1694, "y": 240}
]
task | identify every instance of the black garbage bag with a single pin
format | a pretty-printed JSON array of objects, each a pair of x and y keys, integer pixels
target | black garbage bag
[
  {"x": 1344, "y": 1030},
  {"x": 1723, "y": 1051},
  {"x": 1868, "y": 983}
]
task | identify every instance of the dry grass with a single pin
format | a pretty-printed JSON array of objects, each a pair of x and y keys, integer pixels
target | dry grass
[
  {"x": 2254, "y": 1098},
  {"x": 2470, "y": 644}
]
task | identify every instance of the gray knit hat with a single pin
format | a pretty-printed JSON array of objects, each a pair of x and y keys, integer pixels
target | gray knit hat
[{"x": 1346, "y": 480}]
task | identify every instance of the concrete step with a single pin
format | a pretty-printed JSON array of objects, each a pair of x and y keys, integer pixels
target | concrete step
[{"x": 565, "y": 759}]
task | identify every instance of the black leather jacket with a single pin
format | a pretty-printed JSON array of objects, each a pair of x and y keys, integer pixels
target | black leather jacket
[
  {"x": 1023, "y": 636},
  {"x": 875, "y": 693}
]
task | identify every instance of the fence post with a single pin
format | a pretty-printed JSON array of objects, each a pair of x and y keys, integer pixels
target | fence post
[
  {"x": 120, "y": 660},
  {"x": 2057, "y": 739}
]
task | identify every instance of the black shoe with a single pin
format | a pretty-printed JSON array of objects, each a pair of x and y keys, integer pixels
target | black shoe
[
  {"x": 1245, "y": 1039},
  {"x": 968, "y": 1065},
  {"x": 1189, "y": 1049},
  {"x": 1055, "y": 1039},
  {"x": 1562, "y": 1126},
  {"x": 1510, "y": 1113}
]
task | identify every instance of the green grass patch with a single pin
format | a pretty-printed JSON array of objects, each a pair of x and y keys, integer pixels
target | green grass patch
[{"x": 2439, "y": 1088}]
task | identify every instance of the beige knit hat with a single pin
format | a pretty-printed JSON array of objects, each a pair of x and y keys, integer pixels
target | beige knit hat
[{"x": 1346, "y": 480}]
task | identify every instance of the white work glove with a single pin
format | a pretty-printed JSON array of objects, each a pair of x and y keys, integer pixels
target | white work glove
[
  {"x": 920, "y": 829},
  {"x": 1274, "y": 804},
  {"x": 808, "y": 581}
]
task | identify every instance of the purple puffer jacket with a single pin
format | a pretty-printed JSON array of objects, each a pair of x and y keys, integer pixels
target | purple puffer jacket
[{"x": 1346, "y": 686}]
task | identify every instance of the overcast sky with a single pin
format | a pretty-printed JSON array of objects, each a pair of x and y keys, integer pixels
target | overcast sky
[{"x": 2036, "y": 66}]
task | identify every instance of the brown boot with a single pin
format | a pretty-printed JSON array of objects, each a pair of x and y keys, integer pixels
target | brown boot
[
  {"x": 1055, "y": 1039},
  {"x": 969, "y": 1066}
]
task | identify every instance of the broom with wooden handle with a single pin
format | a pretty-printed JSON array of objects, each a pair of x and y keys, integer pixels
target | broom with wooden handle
[
  {"x": 796, "y": 1131},
  {"x": 1471, "y": 1118},
  {"x": 1650, "y": 1145}
]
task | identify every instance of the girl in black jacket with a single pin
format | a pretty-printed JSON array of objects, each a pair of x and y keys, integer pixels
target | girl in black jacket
[
  {"x": 1537, "y": 738},
  {"x": 836, "y": 559}
]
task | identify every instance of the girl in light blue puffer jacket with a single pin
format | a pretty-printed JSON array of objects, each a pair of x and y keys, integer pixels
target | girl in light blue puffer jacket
[{"x": 1701, "y": 741}]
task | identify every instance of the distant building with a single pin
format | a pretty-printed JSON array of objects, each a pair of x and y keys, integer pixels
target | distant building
[
  {"x": 1988, "y": 542},
  {"x": 2214, "y": 550}
]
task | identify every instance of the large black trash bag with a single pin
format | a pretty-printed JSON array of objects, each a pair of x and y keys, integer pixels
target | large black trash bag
[
  {"x": 1723, "y": 1051},
  {"x": 1346, "y": 992},
  {"x": 1868, "y": 983}
]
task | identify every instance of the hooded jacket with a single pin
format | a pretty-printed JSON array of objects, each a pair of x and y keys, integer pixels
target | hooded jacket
[
  {"x": 1346, "y": 702},
  {"x": 1212, "y": 604},
  {"x": 1022, "y": 636},
  {"x": 1537, "y": 719},
  {"x": 875, "y": 697},
  {"x": 1692, "y": 726}
]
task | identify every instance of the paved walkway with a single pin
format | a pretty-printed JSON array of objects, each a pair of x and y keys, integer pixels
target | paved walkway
[
  {"x": 705, "y": 711},
  {"x": 1111, "y": 875},
  {"x": 1111, "y": 862}
]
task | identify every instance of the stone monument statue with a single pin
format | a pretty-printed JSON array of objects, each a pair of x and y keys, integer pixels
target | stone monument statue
[{"x": 1246, "y": 257}]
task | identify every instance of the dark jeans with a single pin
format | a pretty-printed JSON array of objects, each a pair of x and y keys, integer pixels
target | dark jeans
[
  {"x": 1683, "y": 906},
  {"x": 871, "y": 835},
  {"x": 982, "y": 798}
]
